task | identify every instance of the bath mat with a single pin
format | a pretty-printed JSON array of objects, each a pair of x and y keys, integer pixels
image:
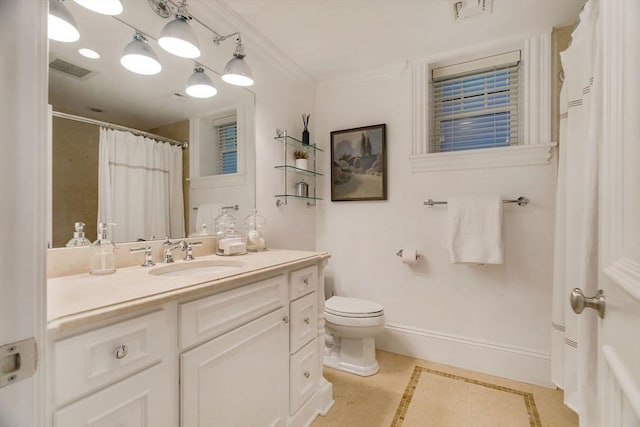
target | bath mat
[{"x": 439, "y": 399}]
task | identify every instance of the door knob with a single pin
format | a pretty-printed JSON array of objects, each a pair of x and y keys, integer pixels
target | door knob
[{"x": 579, "y": 302}]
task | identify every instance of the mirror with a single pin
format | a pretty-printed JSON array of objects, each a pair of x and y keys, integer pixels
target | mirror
[{"x": 103, "y": 90}]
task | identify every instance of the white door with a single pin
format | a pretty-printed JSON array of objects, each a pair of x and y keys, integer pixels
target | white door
[
  {"x": 619, "y": 247},
  {"x": 23, "y": 127}
]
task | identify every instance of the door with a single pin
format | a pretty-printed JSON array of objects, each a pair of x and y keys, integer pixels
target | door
[
  {"x": 619, "y": 246},
  {"x": 23, "y": 123},
  {"x": 244, "y": 368}
]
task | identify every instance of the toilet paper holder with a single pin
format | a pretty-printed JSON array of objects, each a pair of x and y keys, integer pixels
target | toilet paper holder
[{"x": 399, "y": 253}]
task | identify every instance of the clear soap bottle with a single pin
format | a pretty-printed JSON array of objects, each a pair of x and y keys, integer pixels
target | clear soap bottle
[
  {"x": 78, "y": 236},
  {"x": 103, "y": 257}
]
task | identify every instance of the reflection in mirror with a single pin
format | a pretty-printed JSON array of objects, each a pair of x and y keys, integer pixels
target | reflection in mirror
[{"x": 219, "y": 131}]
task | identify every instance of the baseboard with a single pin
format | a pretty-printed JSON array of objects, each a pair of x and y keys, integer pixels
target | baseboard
[
  {"x": 480, "y": 356},
  {"x": 318, "y": 404}
]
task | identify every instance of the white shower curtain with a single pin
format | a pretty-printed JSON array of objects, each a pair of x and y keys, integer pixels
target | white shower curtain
[
  {"x": 573, "y": 350},
  {"x": 139, "y": 187}
]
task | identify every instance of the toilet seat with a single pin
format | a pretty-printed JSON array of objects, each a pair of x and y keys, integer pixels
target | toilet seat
[{"x": 352, "y": 307}]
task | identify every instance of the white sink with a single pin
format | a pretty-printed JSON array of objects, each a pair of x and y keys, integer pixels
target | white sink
[{"x": 197, "y": 268}]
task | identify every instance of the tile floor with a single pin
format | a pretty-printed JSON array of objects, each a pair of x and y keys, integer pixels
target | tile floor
[{"x": 411, "y": 392}]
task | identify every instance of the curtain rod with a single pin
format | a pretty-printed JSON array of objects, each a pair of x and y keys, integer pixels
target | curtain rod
[{"x": 184, "y": 144}]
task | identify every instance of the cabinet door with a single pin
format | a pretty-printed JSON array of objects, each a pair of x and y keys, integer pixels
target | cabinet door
[
  {"x": 238, "y": 379},
  {"x": 147, "y": 399}
]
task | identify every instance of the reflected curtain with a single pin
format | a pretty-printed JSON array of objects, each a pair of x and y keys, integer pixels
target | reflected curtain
[
  {"x": 574, "y": 337},
  {"x": 139, "y": 187}
]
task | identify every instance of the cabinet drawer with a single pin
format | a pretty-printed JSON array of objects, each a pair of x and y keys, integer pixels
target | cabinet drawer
[
  {"x": 304, "y": 281},
  {"x": 85, "y": 362},
  {"x": 212, "y": 316},
  {"x": 147, "y": 399},
  {"x": 304, "y": 323},
  {"x": 303, "y": 375}
]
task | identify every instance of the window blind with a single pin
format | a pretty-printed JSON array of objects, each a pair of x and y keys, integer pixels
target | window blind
[
  {"x": 476, "y": 109},
  {"x": 227, "y": 148}
]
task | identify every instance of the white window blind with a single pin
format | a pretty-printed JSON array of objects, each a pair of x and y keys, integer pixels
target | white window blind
[
  {"x": 227, "y": 134},
  {"x": 475, "y": 103}
]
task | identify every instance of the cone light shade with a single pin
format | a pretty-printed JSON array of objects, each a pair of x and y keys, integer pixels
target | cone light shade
[
  {"x": 179, "y": 39},
  {"x": 237, "y": 72},
  {"x": 199, "y": 85},
  {"x": 139, "y": 58},
  {"x": 104, "y": 7},
  {"x": 61, "y": 25}
]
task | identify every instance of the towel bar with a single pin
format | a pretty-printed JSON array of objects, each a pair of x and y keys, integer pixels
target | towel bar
[
  {"x": 234, "y": 207},
  {"x": 521, "y": 201}
]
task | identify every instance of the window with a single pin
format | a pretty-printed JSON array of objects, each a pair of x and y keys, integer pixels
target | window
[
  {"x": 475, "y": 104},
  {"x": 227, "y": 135}
]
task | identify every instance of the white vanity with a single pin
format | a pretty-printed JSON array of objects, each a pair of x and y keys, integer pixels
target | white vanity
[{"x": 239, "y": 348}]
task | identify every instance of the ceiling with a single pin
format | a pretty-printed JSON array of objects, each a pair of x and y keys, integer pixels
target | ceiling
[{"x": 333, "y": 38}]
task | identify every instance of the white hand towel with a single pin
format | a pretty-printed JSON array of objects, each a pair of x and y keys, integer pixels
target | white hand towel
[
  {"x": 207, "y": 213},
  {"x": 475, "y": 229}
]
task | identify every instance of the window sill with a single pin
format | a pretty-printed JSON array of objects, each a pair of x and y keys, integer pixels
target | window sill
[{"x": 519, "y": 155}]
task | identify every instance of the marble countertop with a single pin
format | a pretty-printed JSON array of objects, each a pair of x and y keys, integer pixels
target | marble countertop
[{"x": 81, "y": 299}]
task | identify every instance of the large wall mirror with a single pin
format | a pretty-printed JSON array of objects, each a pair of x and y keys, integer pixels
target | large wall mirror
[{"x": 103, "y": 90}]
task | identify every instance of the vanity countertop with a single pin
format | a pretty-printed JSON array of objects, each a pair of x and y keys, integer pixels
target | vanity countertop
[{"x": 82, "y": 299}]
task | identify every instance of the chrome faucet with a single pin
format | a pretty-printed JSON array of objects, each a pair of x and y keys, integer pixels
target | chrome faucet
[{"x": 168, "y": 252}]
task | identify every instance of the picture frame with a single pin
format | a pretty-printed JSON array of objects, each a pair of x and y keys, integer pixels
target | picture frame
[{"x": 359, "y": 164}]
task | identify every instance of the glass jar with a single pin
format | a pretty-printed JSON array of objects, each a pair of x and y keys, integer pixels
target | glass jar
[
  {"x": 255, "y": 225},
  {"x": 230, "y": 240}
]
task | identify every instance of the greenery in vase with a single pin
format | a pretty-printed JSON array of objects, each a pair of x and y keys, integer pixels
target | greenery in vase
[{"x": 300, "y": 154}]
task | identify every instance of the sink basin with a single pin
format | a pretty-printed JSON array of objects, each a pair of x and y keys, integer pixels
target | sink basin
[{"x": 197, "y": 268}]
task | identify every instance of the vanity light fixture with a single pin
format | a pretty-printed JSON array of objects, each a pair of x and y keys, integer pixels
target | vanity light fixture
[
  {"x": 236, "y": 72},
  {"x": 138, "y": 57},
  {"x": 177, "y": 37},
  {"x": 61, "y": 25},
  {"x": 200, "y": 85},
  {"x": 104, "y": 7}
]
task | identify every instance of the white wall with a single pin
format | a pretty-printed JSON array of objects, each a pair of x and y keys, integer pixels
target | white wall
[{"x": 494, "y": 319}]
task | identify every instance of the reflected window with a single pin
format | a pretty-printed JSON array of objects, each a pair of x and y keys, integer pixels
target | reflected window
[{"x": 227, "y": 147}]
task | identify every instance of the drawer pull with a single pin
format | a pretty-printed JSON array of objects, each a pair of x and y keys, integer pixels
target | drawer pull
[
  {"x": 306, "y": 281},
  {"x": 307, "y": 374},
  {"x": 285, "y": 319},
  {"x": 121, "y": 352},
  {"x": 306, "y": 320}
]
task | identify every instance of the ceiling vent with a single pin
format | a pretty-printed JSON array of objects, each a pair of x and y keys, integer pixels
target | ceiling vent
[
  {"x": 464, "y": 9},
  {"x": 69, "y": 69}
]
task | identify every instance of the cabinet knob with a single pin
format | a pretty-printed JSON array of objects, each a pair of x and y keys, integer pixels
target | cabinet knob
[
  {"x": 285, "y": 319},
  {"x": 121, "y": 352},
  {"x": 306, "y": 320},
  {"x": 306, "y": 281},
  {"x": 307, "y": 374}
]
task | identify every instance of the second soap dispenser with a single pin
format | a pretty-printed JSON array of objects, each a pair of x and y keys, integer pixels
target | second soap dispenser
[{"x": 103, "y": 256}]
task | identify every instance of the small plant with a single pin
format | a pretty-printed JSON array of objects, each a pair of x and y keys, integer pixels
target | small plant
[{"x": 300, "y": 154}]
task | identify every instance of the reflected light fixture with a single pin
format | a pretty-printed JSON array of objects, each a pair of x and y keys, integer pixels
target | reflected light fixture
[
  {"x": 104, "y": 7},
  {"x": 88, "y": 53},
  {"x": 237, "y": 72},
  {"x": 200, "y": 85},
  {"x": 61, "y": 25},
  {"x": 177, "y": 37},
  {"x": 138, "y": 57}
]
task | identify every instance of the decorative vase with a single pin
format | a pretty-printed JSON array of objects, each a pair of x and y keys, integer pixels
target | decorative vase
[
  {"x": 302, "y": 164},
  {"x": 305, "y": 137}
]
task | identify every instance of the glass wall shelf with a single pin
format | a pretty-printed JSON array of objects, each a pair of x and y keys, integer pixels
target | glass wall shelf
[
  {"x": 294, "y": 169},
  {"x": 299, "y": 197},
  {"x": 296, "y": 143}
]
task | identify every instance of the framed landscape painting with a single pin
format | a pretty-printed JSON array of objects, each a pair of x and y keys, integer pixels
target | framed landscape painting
[{"x": 359, "y": 164}]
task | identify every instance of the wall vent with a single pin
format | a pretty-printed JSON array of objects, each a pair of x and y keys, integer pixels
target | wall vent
[
  {"x": 70, "y": 69},
  {"x": 464, "y": 9}
]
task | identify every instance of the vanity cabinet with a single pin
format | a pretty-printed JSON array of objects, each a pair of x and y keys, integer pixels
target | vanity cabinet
[{"x": 246, "y": 356}]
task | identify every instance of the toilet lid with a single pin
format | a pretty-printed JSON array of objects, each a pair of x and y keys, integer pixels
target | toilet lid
[{"x": 352, "y": 307}]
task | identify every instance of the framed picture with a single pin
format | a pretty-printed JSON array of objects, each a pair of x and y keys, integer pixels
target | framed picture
[{"x": 359, "y": 164}]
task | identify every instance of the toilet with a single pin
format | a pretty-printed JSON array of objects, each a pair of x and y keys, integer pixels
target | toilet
[{"x": 352, "y": 324}]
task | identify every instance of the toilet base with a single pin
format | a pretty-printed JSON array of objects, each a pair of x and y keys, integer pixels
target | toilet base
[{"x": 355, "y": 356}]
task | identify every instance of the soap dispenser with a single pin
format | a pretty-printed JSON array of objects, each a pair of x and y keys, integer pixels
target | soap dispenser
[
  {"x": 78, "y": 236},
  {"x": 103, "y": 257}
]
